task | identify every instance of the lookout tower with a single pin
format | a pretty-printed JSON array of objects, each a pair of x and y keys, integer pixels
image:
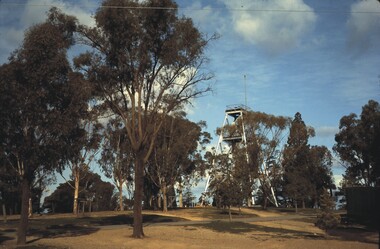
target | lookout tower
[
  {"x": 230, "y": 138},
  {"x": 234, "y": 115}
]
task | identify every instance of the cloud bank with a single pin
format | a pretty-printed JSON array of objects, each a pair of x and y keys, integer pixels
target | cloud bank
[
  {"x": 363, "y": 27},
  {"x": 269, "y": 25}
]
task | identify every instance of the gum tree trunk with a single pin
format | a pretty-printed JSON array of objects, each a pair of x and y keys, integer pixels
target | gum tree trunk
[
  {"x": 180, "y": 199},
  {"x": 138, "y": 198},
  {"x": 4, "y": 213},
  {"x": 165, "y": 198},
  {"x": 121, "y": 204},
  {"x": 23, "y": 226},
  {"x": 30, "y": 208},
  {"x": 76, "y": 190}
]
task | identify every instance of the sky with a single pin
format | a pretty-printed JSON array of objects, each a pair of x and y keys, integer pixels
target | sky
[{"x": 317, "y": 57}]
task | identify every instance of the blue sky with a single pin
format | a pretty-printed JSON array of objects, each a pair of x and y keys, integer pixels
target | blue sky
[{"x": 317, "y": 57}]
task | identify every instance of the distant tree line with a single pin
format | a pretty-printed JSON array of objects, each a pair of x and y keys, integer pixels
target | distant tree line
[
  {"x": 290, "y": 173},
  {"x": 293, "y": 173}
]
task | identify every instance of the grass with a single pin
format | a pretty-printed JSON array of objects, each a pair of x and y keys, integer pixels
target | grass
[
  {"x": 211, "y": 213},
  {"x": 68, "y": 225},
  {"x": 237, "y": 227}
]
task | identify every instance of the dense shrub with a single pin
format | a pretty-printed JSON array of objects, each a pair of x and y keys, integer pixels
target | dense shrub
[{"x": 327, "y": 219}]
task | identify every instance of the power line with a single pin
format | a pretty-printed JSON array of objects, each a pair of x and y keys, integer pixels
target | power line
[{"x": 242, "y": 9}]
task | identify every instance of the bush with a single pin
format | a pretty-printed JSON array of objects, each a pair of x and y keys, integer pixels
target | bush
[{"x": 327, "y": 219}]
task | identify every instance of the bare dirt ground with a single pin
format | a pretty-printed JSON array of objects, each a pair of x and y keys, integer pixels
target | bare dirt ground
[{"x": 190, "y": 228}]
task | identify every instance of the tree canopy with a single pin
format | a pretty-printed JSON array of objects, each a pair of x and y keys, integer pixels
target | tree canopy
[
  {"x": 307, "y": 169},
  {"x": 40, "y": 103},
  {"x": 358, "y": 146},
  {"x": 176, "y": 153},
  {"x": 145, "y": 63},
  {"x": 94, "y": 193},
  {"x": 117, "y": 157}
]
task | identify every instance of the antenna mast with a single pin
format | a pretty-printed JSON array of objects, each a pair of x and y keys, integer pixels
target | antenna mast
[{"x": 245, "y": 90}]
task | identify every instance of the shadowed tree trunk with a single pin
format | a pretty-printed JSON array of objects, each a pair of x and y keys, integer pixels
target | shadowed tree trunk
[
  {"x": 138, "y": 198},
  {"x": 165, "y": 198},
  {"x": 4, "y": 213},
  {"x": 23, "y": 226},
  {"x": 229, "y": 213}
]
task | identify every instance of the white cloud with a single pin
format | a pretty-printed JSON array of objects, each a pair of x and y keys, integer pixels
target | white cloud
[
  {"x": 326, "y": 131},
  {"x": 205, "y": 17},
  {"x": 363, "y": 28},
  {"x": 270, "y": 26},
  {"x": 80, "y": 9}
]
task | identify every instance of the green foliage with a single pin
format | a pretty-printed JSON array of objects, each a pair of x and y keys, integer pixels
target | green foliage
[
  {"x": 188, "y": 197},
  {"x": 226, "y": 185},
  {"x": 117, "y": 157},
  {"x": 91, "y": 188},
  {"x": 358, "y": 146},
  {"x": 265, "y": 134},
  {"x": 40, "y": 104},
  {"x": 39, "y": 99},
  {"x": 176, "y": 154},
  {"x": 144, "y": 63},
  {"x": 296, "y": 153},
  {"x": 326, "y": 218},
  {"x": 307, "y": 168},
  {"x": 258, "y": 157}
]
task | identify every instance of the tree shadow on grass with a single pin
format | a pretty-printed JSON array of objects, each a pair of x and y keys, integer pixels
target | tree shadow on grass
[
  {"x": 128, "y": 220},
  {"x": 224, "y": 214},
  {"x": 50, "y": 231},
  {"x": 246, "y": 228},
  {"x": 355, "y": 234},
  {"x": 59, "y": 231},
  {"x": 5, "y": 235},
  {"x": 213, "y": 213}
]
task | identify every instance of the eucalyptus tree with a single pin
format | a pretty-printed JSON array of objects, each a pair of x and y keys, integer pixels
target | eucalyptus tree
[
  {"x": 177, "y": 153},
  {"x": 40, "y": 104},
  {"x": 85, "y": 145},
  {"x": 117, "y": 157},
  {"x": 226, "y": 183},
  {"x": 265, "y": 141},
  {"x": 145, "y": 62},
  {"x": 95, "y": 194},
  {"x": 257, "y": 158},
  {"x": 358, "y": 146},
  {"x": 319, "y": 172}
]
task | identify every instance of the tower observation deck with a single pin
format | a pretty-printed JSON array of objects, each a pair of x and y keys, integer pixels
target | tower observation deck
[{"x": 234, "y": 115}]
